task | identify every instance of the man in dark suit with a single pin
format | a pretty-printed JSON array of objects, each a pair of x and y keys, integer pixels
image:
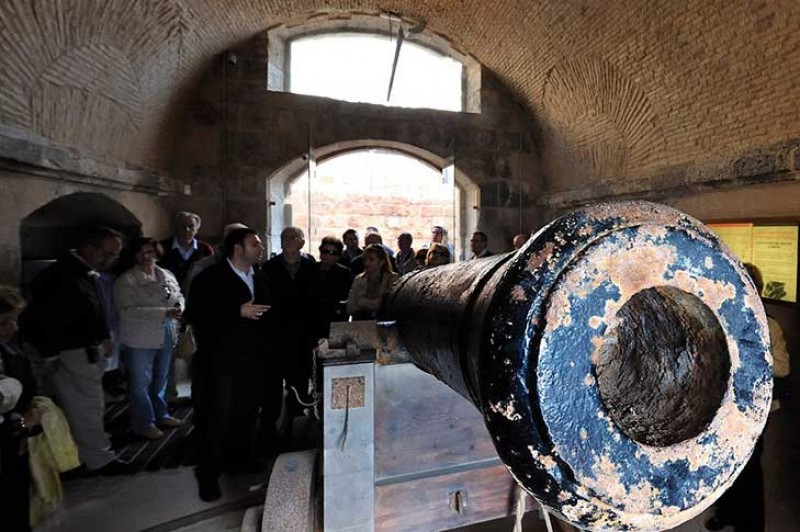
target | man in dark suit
[
  {"x": 480, "y": 245},
  {"x": 228, "y": 310},
  {"x": 293, "y": 278},
  {"x": 67, "y": 323}
]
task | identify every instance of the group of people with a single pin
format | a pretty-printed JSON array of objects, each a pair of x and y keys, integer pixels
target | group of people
[{"x": 255, "y": 324}]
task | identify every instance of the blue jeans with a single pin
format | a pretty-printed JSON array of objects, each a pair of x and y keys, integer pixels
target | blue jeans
[{"x": 147, "y": 382}]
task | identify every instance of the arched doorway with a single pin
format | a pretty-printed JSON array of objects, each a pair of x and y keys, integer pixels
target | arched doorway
[
  {"x": 388, "y": 203},
  {"x": 54, "y": 228}
]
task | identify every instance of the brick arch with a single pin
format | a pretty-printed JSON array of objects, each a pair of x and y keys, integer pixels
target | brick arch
[
  {"x": 599, "y": 121},
  {"x": 279, "y": 182},
  {"x": 85, "y": 86},
  {"x": 58, "y": 225},
  {"x": 55, "y": 227}
]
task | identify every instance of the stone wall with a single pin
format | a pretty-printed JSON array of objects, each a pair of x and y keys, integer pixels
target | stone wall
[
  {"x": 657, "y": 100},
  {"x": 22, "y": 193},
  {"x": 235, "y": 135}
]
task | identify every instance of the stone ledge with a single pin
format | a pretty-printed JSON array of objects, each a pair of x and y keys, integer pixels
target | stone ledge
[
  {"x": 780, "y": 162},
  {"x": 24, "y": 152}
]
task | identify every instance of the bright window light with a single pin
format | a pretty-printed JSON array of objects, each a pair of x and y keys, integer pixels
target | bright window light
[{"x": 356, "y": 67}]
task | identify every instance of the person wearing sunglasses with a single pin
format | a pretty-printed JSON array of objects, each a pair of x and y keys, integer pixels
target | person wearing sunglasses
[{"x": 334, "y": 282}]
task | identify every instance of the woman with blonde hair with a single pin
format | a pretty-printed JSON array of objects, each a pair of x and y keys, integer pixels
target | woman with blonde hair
[
  {"x": 369, "y": 287},
  {"x": 438, "y": 255}
]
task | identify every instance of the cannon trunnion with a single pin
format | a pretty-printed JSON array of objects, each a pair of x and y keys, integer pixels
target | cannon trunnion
[{"x": 620, "y": 360}]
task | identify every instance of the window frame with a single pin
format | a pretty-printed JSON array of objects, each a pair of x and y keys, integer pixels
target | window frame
[{"x": 279, "y": 40}]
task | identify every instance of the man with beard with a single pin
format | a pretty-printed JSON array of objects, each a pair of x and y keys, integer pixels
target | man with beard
[{"x": 228, "y": 312}]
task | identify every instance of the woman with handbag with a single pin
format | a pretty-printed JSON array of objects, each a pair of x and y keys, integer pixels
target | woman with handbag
[{"x": 149, "y": 302}]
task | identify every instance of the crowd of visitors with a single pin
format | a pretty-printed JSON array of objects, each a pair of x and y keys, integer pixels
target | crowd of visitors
[{"x": 253, "y": 325}]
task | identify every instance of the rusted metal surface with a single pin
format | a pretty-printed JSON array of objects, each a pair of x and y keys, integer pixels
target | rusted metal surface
[
  {"x": 370, "y": 339},
  {"x": 347, "y": 392},
  {"x": 522, "y": 335}
]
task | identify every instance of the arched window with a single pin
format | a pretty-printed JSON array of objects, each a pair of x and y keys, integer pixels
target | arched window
[
  {"x": 357, "y": 67},
  {"x": 351, "y": 58}
]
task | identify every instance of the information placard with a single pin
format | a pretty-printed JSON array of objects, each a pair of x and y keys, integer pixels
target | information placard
[
  {"x": 772, "y": 248},
  {"x": 775, "y": 254}
]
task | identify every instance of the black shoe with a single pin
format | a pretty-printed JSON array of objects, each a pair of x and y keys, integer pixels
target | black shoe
[
  {"x": 113, "y": 468},
  {"x": 208, "y": 488}
]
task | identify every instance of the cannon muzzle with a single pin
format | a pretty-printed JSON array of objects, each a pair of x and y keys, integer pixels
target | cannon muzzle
[{"x": 620, "y": 359}]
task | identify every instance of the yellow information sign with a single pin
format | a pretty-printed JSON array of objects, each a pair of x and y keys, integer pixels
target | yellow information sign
[
  {"x": 738, "y": 237},
  {"x": 773, "y": 248},
  {"x": 775, "y": 254}
]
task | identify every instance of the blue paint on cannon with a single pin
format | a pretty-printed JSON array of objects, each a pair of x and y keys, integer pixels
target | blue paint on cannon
[
  {"x": 531, "y": 338},
  {"x": 566, "y": 357}
]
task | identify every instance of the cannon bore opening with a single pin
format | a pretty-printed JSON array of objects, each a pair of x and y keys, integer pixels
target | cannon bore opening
[{"x": 663, "y": 367}]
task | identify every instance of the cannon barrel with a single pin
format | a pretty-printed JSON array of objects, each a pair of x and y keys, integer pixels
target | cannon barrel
[{"x": 620, "y": 359}]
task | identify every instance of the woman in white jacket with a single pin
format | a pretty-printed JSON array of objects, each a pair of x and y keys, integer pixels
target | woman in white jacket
[{"x": 149, "y": 302}]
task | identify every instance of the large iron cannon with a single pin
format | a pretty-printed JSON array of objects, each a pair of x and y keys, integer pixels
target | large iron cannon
[{"x": 621, "y": 361}]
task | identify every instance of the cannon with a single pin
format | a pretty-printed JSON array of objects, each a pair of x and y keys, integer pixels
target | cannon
[{"x": 620, "y": 359}]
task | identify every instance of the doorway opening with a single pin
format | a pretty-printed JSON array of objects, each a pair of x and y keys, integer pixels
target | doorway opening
[{"x": 393, "y": 187}]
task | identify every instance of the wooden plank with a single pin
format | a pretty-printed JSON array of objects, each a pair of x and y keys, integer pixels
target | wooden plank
[
  {"x": 446, "y": 501},
  {"x": 422, "y": 425}
]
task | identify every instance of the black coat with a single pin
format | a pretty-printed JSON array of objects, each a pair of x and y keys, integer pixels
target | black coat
[
  {"x": 14, "y": 471},
  {"x": 65, "y": 310},
  {"x": 214, "y": 311},
  {"x": 296, "y": 301},
  {"x": 334, "y": 287}
]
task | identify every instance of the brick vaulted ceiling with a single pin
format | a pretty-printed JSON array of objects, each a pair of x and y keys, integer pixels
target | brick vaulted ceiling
[{"x": 626, "y": 85}]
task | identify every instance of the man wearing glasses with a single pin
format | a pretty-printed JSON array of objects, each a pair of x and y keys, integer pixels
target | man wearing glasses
[
  {"x": 293, "y": 280},
  {"x": 334, "y": 283}
]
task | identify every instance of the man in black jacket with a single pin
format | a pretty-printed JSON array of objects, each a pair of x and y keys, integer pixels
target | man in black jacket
[
  {"x": 228, "y": 311},
  {"x": 479, "y": 243},
  {"x": 66, "y": 321},
  {"x": 334, "y": 284},
  {"x": 293, "y": 277}
]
